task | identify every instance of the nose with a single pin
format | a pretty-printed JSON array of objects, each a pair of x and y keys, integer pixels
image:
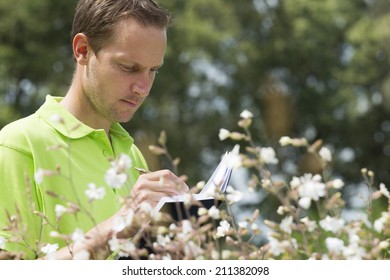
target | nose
[{"x": 143, "y": 83}]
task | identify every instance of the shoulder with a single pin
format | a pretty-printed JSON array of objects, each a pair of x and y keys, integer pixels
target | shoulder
[{"x": 20, "y": 133}]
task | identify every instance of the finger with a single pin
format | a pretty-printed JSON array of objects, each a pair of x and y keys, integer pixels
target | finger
[
  {"x": 167, "y": 179},
  {"x": 184, "y": 178},
  {"x": 162, "y": 187},
  {"x": 146, "y": 196}
]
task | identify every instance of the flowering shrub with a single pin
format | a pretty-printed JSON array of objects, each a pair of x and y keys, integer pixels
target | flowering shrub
[{"x": 311, "y": 224}]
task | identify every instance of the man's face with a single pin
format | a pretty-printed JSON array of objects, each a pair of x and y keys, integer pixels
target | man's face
[{"x": 120, "y": 76}]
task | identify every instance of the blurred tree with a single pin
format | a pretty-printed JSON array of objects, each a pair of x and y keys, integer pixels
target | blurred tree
[{"x": 35, "y": 53}]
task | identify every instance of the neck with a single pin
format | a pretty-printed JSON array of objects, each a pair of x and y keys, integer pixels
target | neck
[{"x": 76, "y": 102}]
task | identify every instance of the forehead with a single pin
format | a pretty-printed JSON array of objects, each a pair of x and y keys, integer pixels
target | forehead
[{"x": 134, "y": 41}]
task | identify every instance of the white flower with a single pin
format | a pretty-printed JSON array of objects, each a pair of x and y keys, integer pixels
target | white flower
[
  {"x": 384, "y": 244},
  {"x": 295, "y": 182},
  {"x": 286, "y": 224},
  {"x": 268, "y": 155},
  {"x": 285, "y": 140},
  {"x": 94, "y": 193},
  {"x": 305, "y": 202},
  {"x": 49, "y": 250},
  {"x": 384, "y": 190},
  {"x": 172, "y": 227},
  {"x": 275, "y": 247},
  {"x": 2, "y": 243},
  {"x": 187, "y": 199},
  {"x": 167, "y": 257},
  {"x": 114, "y": 244},
  {"x": 332, "y": 224},
  {"x": 200, "y": 185},
  {"x": 379, "y": 223},
  {"x": 325, "y": 154},
  {"x": 246, "y": 114},
  {"x": 337, "y": 184},
  {"x": 202, "y": 211},
  {"x": 255, "y": 228},
  {"x": 162, "y": 230},
  {"x": 233, "y": 195},
  {"x": 186, "y": 230},
  {"x": 115, "y": 179},
  {"x": 128, "y": 247},
  {"x": 353, "y": 251},
  {"x": 311, "y": 187},
  {"x": 280, "y": 210},
  {"x": 54, "y": 234},
  {"x": 223, "y": 134},
  {"x": 39, "y": 175},
  {"x": 60, "y": 210},
  {"x": 214, "y": 213},
  {"x": 222, "y": 229},
  {"x": 123, "y": 249},
  {"x": 81, "y": 255},
  {"x": 122, "y": 222},
  {"x": 118, "y": 224},
  {"x": 124, "y": 162},
  {"x": 214, "y": 254},
  {"x": 162, "y": 240},
  {"x": 311, "y": 225},
  {"x": 186, "y": 227},
  {"x": 334, "y": 245},
  {"x": 325, "y": 257},
  {"x": 192, "y": 249},
  {"x": 226, "y": 254},
  {"x": 78, "y": 236},
  {"x": 243, "y": 224}
]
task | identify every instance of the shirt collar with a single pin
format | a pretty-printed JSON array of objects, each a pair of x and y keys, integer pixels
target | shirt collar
[{"x": 55, "y": 115}]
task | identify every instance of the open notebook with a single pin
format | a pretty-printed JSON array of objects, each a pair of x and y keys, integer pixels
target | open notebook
[{"x": 218, "y": 182}]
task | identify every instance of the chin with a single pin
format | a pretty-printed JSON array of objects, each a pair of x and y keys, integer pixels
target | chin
[{"x": 123, "y": 119}]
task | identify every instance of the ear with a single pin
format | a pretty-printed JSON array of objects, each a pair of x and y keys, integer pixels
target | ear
[{"x": 81, "y": 48}]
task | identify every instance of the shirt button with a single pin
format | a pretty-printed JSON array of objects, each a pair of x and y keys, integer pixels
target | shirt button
[{"x": 105, "y": 153}]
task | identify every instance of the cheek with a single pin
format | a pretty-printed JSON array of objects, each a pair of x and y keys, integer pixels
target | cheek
[{"x": 112, "y": 81}]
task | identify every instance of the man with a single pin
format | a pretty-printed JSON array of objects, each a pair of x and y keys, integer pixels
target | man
[{"x": 52, "y": 160}]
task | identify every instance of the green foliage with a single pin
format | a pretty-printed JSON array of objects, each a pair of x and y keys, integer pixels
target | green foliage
[{"x": 34, "y": 50}]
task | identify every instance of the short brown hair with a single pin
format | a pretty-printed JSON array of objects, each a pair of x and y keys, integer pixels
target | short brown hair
[{"x": 98, "y": 18}]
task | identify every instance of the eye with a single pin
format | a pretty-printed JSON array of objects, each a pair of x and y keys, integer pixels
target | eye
[{"x": 128, "y": 69}]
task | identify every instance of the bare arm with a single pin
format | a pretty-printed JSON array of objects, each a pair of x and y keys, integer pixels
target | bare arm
[{"x": 149, "y": 188}]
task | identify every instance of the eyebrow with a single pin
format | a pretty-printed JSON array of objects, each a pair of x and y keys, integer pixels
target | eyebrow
[{"x": 136, "y": 64}]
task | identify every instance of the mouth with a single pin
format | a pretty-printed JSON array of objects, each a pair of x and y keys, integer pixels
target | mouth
[{"x": 130, "y": 103}]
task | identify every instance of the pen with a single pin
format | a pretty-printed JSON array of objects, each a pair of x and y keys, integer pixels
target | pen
[{"x": 141, "y": 170}]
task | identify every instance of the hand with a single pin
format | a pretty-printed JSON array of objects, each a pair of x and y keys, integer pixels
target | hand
[{"x": 151, "y": 187}]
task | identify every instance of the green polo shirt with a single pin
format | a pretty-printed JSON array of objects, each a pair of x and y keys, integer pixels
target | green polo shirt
[{"x": 73, "y": 156}]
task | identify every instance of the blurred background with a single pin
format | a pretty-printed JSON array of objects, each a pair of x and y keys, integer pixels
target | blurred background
[{"x": 305, "y": 68}]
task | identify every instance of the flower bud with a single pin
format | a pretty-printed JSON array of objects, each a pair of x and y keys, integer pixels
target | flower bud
[
  {"x": 156, "y": 150},
  {"x": 237, "y": 136},
  {"x": 162, "y": 139},
  {"x": 245, "y": 123}
]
